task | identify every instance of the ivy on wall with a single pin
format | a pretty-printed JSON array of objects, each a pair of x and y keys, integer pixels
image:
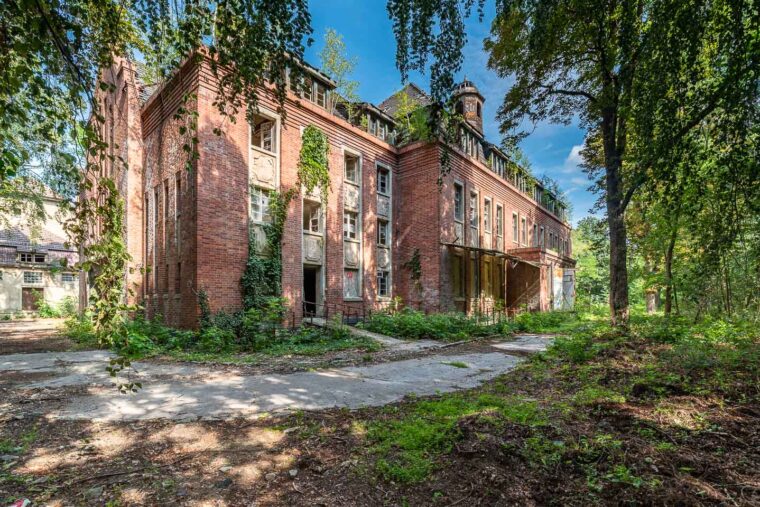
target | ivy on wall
[
  {"x": 262, "y": 279},
  {"x": 414, "y": 265},
  {"x": 313, "y": 167}
]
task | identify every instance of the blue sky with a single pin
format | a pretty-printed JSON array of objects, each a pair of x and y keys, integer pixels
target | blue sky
[{"x": 552, "y": 149}]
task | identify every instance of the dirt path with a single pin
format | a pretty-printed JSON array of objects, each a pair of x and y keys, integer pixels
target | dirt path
[{"x": 34, "y": 335}]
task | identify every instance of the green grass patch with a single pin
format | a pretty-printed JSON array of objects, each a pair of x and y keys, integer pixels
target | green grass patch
[
  {"x": 406, "y": 448},
  {"x": 456, "y": 364}
]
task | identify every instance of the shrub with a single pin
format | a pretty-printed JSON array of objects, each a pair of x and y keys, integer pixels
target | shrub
[
  {"x": 260, "y": 325},
  {"x": 68, "y": 307},
  {"x": 80, "y": 329},
  {"x": 541, "y": 322},
  {"x": 213, "y": 339},
  {"x": 48, "y": 311},
  {"x": 415, "y": 325}
]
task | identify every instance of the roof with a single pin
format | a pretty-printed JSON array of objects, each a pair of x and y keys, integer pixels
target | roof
[
  {"x": 391, "y": 104},
  {"x": 15, "y": 237}
]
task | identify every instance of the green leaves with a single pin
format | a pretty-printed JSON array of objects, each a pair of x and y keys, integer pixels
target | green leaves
[{"x": 313, "y": 169}]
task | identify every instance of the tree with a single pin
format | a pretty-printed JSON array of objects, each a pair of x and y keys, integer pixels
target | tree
[
  {"x": 337, "y": 65},
  {"x": 628, "y": 70}
]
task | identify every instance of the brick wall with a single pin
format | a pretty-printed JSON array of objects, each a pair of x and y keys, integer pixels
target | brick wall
[{"x": 211, "y": 248}]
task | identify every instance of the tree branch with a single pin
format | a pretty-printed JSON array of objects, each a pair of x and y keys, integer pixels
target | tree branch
[{"x": 572, "y": 93}]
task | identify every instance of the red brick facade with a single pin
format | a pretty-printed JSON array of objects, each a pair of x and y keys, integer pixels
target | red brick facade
[{"x": 190, "y": 226}]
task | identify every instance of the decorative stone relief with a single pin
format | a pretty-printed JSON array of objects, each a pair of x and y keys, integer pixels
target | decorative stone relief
[
  {"x": 314, "y": 195},
  {"x": 351, "y": 197},
  {"x": 263, "y": 169},
  {"x": 312, "y": 249},
  {"x": 383, "y": 206},
  {"x": 351, "y": 254},
  {"x": 259, "y": 239},
  {"x": 383, "y": 258}
]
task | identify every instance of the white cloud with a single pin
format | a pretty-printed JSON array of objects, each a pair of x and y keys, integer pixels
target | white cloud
[{"x": 573, "y": 161}]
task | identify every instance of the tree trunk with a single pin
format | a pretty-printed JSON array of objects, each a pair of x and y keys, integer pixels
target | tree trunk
[
  {"x": 669, "y": 273},
  {"x": 616, "y": 223}
]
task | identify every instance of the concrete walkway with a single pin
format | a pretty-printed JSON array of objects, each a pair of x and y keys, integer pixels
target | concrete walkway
[{"x": 189, "y": 392}]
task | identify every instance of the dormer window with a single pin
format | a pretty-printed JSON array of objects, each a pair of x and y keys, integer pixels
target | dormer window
[{"x": 320, "y": 94}]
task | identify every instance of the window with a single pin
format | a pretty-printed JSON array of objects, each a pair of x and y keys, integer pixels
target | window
[
  {"x": 264, "y": 133},
  {"x": 371, "y": 125},
  {"x": 515, "y": 231},
  {"x": 68, "y": 277},
  {"x": 487, "y": 215},
  {"x": 259, "y": 205},
  {"x": 308, "y": 89},
  {"x": 535, "y": 235},
  {"x": 524, "y": 230},
  {"x": 541, "y": 237},
  {"x": 474, "y": 209},
  {"x": 480, "y": 110},
  {"x": 383, "y": 233},
  {"x": 499, "y": 221},
  {"x": 351, "y": 164},
  {"x": 383, "y": 181},
  {"x": 350, "y": 221},
  {"x": 36, "y": 258},
  {"x": 383, "y": 283},
  {"x": 32, "y": 277},
  {"x": 1, "y": 276},
  {"x": 178, "y": 279},
  {"x": 458, "y": 202},
  {"x": 351, "y": 283},
  {"x": 321, "y": 94},
  {"x": 312, "y": 217}
]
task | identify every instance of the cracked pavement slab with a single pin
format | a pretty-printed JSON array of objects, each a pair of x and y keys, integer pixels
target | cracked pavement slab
[{"x": 230, "y": 394}]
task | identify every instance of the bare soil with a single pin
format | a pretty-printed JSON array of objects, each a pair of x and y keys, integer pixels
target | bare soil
[{"x": 33, "y": 335}]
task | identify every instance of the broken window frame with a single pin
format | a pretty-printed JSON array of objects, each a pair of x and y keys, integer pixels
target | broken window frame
[
  {"x": 260, "y": 205},
  {"x": 515, "y": 227},
  {"x": 350, "y": 225},
  {"x": 383, "y": 181},
  {"x": 383, "y": 283},
  {"x": 383, "y": 233},
  {"x": 458, "y": 202},
  {"x": 267, "y": 140}
]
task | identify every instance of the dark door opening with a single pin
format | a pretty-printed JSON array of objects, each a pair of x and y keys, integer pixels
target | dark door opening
[
  {"x": 310, "y": 290},
  {"x": 31, "y": 298}
]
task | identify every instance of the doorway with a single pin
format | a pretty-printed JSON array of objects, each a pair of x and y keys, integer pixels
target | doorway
[
  {"x": 311, "y": 293},
  {"x": 31, "y": 298}
]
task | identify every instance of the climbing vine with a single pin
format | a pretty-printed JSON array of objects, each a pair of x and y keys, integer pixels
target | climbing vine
[
  {"x": 313, "y": 167},
  {"x": 262, "y": 278},
  {"x": 414, "y": 265}
]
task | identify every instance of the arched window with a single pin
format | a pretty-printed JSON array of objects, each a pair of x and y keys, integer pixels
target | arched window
[
  {"x": 460, "y": 107},
  {"x": 480, "y": 111}
]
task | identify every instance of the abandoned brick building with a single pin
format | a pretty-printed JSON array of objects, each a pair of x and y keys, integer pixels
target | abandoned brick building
[{"x": 489, "y": 235}]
